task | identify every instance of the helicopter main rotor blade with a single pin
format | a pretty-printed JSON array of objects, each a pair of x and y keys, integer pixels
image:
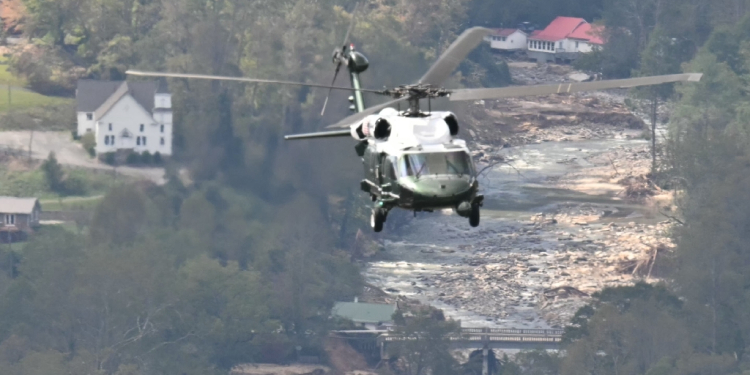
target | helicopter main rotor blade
[
  {"x": 351, "y": 26},
  {"x": 454, "y": 55},
  {"x": 562, "y": 88},
  {"x": 242, "y": 79},
  {"x": 335, "y": 74},
  {"x": 348, "y": 121}
]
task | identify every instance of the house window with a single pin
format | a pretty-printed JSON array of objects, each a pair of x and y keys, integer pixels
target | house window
[
  {"x": 162, "y": 128},
  {"x": 560, "y": 46},
  {"x": 576, "y": 45},
  {"x": 106, "y": 140},
  {"x": 144, "y": 140},
  {"x": 162, "y": 141},
  {"x": 141, "y": 127},
  {"x": 110, "y": 126},
  {"x": 10, "y": 219},
  {"x": 112, "y": 139},
  {"x": 505, "y": 38},
  {"x": 138, "y": 141},
  {"x": 89, "y": 116}
]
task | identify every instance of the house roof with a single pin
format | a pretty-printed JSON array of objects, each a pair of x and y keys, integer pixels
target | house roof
[
  {"x": 11, "y": 205},
  {"x": 92, "y": 94},
  {"x": 589, "y": 32},
  {"x": 559, "y": 29},
  {"x": 504, "y": 32},
  {"x": 364, "y": 312}
]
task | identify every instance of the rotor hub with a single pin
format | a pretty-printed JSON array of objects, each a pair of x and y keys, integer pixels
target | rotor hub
[{"x": 417, "y": 91}]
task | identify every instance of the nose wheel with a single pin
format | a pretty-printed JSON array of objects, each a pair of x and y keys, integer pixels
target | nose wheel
[
  {"x": 377, "y": 219},
  {"x": 474, "y": 215}
]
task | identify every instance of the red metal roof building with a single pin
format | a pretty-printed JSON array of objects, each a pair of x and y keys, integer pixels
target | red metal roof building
[{"x": 564, "y": 39}]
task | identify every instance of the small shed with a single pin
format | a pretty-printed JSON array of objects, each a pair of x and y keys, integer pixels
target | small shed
[
  {"x": 19, "y": 217},
  {"x": 507, "y": 39},
  {"x": 372, "y": 316}
]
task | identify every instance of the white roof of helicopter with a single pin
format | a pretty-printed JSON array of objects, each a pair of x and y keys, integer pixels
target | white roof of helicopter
[{"x": 430, "y": 133}]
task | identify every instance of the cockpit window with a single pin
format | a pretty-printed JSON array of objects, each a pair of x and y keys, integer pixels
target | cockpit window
[{"x": 422, "y": 164}]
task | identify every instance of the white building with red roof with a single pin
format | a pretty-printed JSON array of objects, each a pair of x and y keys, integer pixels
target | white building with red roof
[
  {"x": 564, "y": 39},
  {"x": 507, "y": 39}
]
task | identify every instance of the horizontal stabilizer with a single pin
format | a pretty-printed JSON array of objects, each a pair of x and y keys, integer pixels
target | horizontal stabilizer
[{"x": 331, "y": 134}]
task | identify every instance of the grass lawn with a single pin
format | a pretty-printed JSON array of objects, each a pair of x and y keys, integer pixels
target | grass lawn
[
  {"x": 71, "y": 203},
  {"x": 7, "y": 77},
  {"x": 32, "y": 183},
  {"x": 21, "y": 98}
]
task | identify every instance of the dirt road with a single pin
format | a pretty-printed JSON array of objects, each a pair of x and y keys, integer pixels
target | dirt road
[{"x": 69, "y": 152}]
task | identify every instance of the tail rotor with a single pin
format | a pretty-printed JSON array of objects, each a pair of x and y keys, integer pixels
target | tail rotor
[{"x": 340, "y": 56}]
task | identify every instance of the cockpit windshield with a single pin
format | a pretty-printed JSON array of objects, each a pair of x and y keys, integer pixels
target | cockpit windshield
[{"x": 436, "y": 163}]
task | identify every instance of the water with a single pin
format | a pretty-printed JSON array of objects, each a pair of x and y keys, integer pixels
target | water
[{"x": 435, "y": 243}]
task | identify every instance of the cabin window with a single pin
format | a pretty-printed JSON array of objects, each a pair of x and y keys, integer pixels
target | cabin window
[
  {"x": 10, "y": 219},
  {"x": 144, "y": 141},
  {"x": 162, "y": 141},
  {"x": 112, "y": 139},
  {"x": 162, "y": 128},
  {"x": 106, "y": 140},
  {"x": 576, "y": 45},
  {"x": 110, "y": 126},
  {"x": 89, "y": 116},
  {"x": 142, "y": 127},
  {"x": 138, "y": 141},
  {"x": 437, "y": 163}
]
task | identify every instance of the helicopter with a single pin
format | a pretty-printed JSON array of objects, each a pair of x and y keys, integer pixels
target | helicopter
[{"x": 412, "y": 158}]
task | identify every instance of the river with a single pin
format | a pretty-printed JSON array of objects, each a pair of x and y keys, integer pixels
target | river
[{"x": 440, "y": 251}]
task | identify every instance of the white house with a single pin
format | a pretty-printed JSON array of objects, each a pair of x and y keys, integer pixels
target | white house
[
  {"x": 564, "y": 39},
  {"x": 507, "y": 39},
  {"x": 133, "y": 116}
]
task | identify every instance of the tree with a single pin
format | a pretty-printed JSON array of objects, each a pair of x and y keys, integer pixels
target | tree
[
  {"x": 88, "y": 141},
  {"x": 426, "y": 348},
  {"x": 121, "y": 217},
  {"x": 631, "y": 329},
  {"x": 53, "y": 173},
  {"x": 661, "y": 56}
]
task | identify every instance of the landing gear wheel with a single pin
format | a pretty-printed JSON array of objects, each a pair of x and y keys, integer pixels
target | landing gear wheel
[
  {"x": 377, "y": 219},
  {"x": 474, "y": 216}
]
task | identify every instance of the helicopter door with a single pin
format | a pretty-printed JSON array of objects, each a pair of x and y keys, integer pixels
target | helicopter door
[
  {"x": 388, "y": 175},
  {"x": 371, "y": 166}
]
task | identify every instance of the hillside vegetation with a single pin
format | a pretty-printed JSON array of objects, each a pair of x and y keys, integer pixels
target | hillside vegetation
[{"x": 243, "y": 264}]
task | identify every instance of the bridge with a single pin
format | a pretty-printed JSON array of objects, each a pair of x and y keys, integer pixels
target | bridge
[
  {"x": 479, "y": 338},
  {"x": 491, "y": 338}
]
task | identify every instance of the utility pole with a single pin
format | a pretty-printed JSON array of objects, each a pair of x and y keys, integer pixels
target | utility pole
[
  {"x": 654, "y": 105},
  {"x": 31, "y": 140}
]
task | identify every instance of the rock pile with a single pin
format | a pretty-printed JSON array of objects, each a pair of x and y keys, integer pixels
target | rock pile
[{"x": 552, "y": 262}]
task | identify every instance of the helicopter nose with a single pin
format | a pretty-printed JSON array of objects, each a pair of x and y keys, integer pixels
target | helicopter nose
[{"x": 442, "y": 187}]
